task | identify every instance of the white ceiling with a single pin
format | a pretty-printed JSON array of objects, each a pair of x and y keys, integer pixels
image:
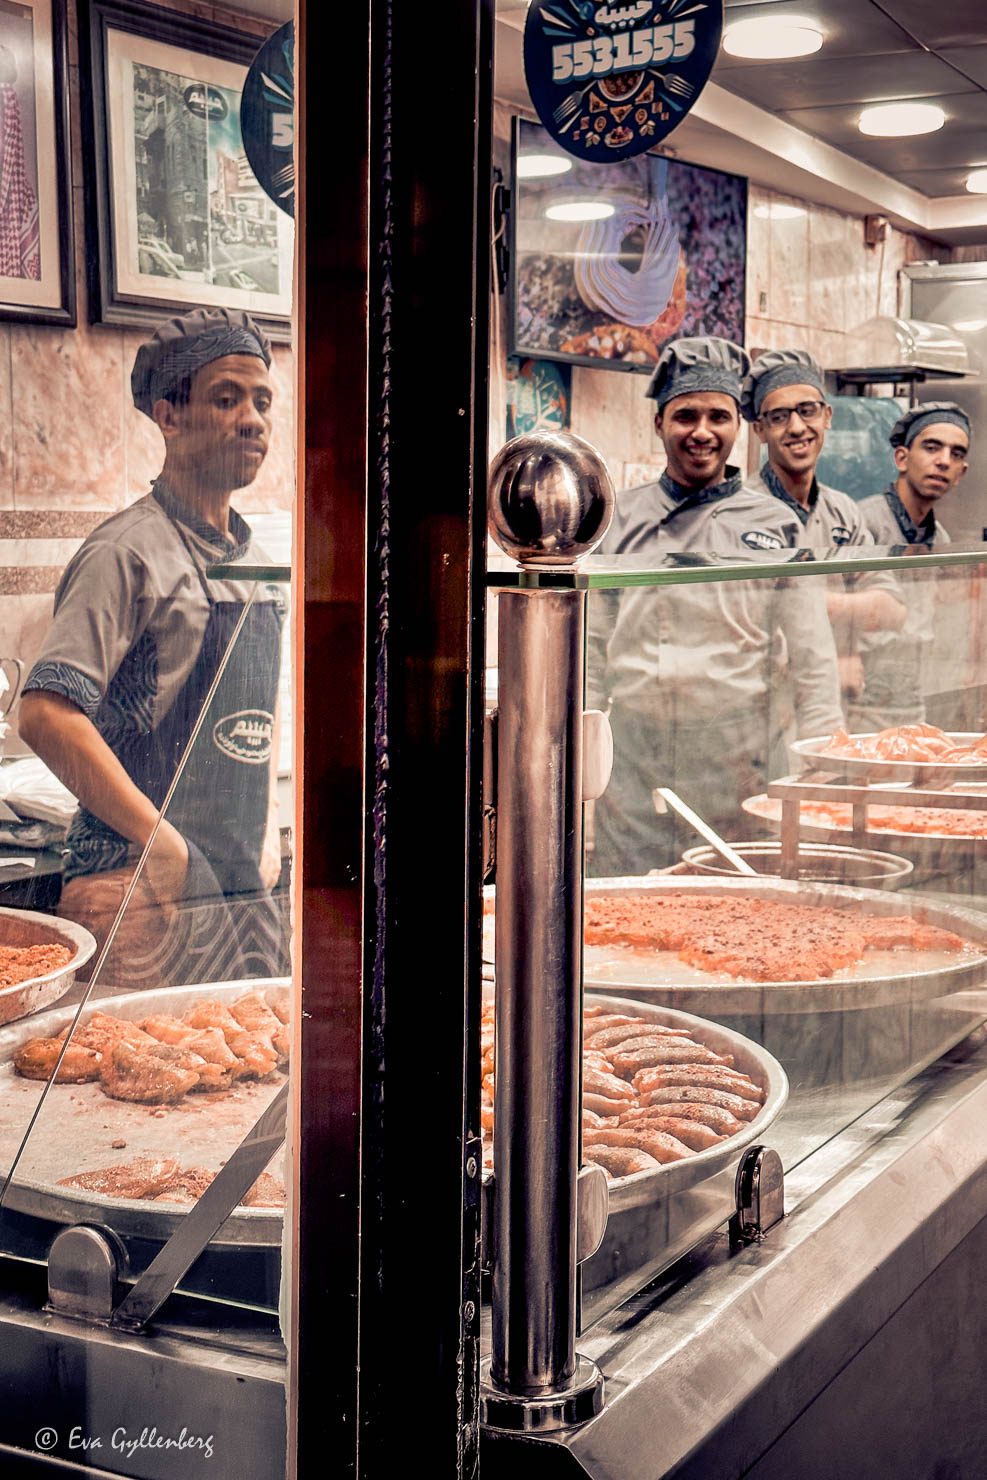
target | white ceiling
[{"x": 806, "y": 143}]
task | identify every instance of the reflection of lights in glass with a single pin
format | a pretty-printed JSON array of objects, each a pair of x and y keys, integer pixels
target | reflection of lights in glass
[
  {"x": 539, "y": 166},
  {"x": 580, "y": 210},
  {"x": 899, "y": 120},
  {"x": 970, "y": 326},
  {"x": 779, "y": 211},
  {"x": 769, "y": 40},
  {"x": 976, "y": 182}
]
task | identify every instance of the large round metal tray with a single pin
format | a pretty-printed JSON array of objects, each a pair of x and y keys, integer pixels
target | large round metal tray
[
  {"x": 815, "y": 750},
  {"x": 750, "y": 1058},
  {"x": 78, "y": 1124},
  {"x": 28, "y": 928},
  {"x": 904, "y": 978}
]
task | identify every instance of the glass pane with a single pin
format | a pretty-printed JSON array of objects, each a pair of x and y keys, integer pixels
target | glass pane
[{"x": 145, "y": 785}]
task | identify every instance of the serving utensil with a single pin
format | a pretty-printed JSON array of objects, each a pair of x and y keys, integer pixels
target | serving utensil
[{"x": 730, "y": 855}]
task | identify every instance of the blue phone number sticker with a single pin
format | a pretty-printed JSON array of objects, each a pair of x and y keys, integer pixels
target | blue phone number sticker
[{"x": 593, "y": 70}]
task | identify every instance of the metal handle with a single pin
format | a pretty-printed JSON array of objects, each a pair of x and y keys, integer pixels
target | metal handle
[
  {"x": 18, "y": 680},
  {"x": 704, "y": 830}
]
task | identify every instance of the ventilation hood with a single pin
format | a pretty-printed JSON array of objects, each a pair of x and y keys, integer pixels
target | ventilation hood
[{"x": 890, "y": 349}]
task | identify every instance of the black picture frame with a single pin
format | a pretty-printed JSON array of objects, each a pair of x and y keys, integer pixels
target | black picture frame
[
  {"x": 140, "y": 274},
  {"x": 36, "y": 32},
  {"x": 702, "y": 187}
]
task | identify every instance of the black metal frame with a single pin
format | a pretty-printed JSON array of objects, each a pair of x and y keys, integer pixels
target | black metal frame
[
  {"x": 107, "y": 304},
  {"x": 65, "y": 314},
  {"x": 387, "y": 1212}
]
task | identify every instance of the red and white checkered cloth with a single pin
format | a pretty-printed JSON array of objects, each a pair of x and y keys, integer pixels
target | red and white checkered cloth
[{"x": 20, "y": 240}]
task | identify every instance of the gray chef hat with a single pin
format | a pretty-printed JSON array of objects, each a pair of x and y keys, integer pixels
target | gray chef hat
[
  {"x": 927, "y": 414},
  {"x": 183, "y": 345},
  {"x": 698, "y": 365},
  {"x": 773, "y": 369}
]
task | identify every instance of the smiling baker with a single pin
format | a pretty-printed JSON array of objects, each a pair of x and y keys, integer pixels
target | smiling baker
[
  {"x": 690, "y": 671},
  {"x": 784, "y": 397},
  {"x": 138, "y": 639}
]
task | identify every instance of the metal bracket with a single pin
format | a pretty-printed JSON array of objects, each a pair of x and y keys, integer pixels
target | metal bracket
[
  {"x": 592, "y": 1211},
  {"x": 597, "y": 754},
  {"x": 760, "y": 1190},
  {"x": 85, "y": 1265}
]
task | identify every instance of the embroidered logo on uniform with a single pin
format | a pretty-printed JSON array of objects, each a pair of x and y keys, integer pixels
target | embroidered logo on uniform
[
  {"x": 840, "y": 534},
  {"x": 245, "y": 736},
  {"x": 756, "y": 539}
]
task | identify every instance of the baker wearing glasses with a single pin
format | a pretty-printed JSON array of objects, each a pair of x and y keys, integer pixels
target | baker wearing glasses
[
  {"x": 784, "y": 398},
  {"x": 691, "y": 671},
  {"x": 931, "y": 445}
]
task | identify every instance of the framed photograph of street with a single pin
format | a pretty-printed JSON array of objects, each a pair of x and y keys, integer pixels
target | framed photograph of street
[
  {"x": 176, "y": 218},
  {"x": 37, "y": 252}
]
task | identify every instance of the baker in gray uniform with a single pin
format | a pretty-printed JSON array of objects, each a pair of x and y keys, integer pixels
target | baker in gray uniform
[
  {"x": 141, "y": 639},
  {"x": 690, "y": 671},
  {"x": 784, "y": 397},
  {"x": 931, "y": 445}
]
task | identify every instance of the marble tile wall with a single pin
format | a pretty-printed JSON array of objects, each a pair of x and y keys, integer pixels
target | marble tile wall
[{"x": 73, "y": 448}]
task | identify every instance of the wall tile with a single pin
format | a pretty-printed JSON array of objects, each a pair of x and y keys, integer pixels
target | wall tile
[
  {"x": 67, "y": 422},
  {"x": 758, "y": 250},
  {"x": 6, "y": 424},
  {"x": 610, "y": 409},
  {"x": 775, "y": 334},
  {"x": 24, "y": 620},
  {"x": 830, "y": 263},
  {"x": 788, "y": 299}
]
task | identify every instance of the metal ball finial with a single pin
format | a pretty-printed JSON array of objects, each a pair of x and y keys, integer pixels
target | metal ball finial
[{"x": 550, "y": 498}]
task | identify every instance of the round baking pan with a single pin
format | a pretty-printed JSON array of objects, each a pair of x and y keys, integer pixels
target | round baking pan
[
  {"x": 29, "y": 928},
  {"x": 79, "y": 1123},
  {"x": 816, "y": 751},
  {"x": 818, "y": 863}
]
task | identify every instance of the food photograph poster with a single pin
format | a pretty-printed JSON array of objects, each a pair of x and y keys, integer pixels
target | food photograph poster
[{"x": 611, "y": 261}]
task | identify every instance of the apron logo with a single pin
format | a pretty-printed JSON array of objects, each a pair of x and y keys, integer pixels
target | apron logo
[
  {"x": 756, "y": 539},
  {"x": 245, "y": 736}
]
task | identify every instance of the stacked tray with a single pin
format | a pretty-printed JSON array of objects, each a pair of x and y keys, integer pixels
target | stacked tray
[{"x": 28, "y": 928}]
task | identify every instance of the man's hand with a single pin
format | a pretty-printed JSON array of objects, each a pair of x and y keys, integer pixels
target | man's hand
[
  {"x": 167, "y": 866},
  {"x": 851, "y": 675}
]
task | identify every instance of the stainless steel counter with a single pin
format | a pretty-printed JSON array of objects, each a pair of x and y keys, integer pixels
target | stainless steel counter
[{"x": 714, "y": 1365}]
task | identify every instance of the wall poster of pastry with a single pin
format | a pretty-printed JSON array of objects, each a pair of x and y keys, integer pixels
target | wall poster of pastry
[
  {"x": 611, "y": 261},
  {"x": 37, "y": 267}
]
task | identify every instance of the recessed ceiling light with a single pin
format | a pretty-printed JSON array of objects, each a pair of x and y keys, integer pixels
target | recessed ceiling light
[
  {"x": 976, "y": 182},
  {"x": 539, "y": 166},
  {"x": 764, "y": 40},
  {"x": 898, "y": 120},
  {"x": 779, "y": 211},
  {"x": 580, "y": 210}
]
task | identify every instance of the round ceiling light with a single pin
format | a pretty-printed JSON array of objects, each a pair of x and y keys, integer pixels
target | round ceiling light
[
  {"x": 772, "y": 40},
  {"x": 540, "y": 166},
  {"x": 899, "y": 120},
  {"x": 580, "y": 210},
  {"x": 976, "y": 182}
]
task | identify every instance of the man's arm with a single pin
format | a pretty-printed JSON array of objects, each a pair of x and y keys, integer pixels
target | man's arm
[
  {"x": 856, "y": 612},
  {"x": 812, "y": 657},
  {"x": 269, "y": 867},
  {"x": 71, "y": 746}
]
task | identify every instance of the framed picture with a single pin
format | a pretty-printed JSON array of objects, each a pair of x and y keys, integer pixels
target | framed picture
[
  {"x": 611, "y": 261},
  {"x": 176, "y": 218},
  {"x": 37, "y": 253}
]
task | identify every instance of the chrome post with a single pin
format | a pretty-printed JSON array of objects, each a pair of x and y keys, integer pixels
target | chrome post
[{"x": 550, "y": 502}]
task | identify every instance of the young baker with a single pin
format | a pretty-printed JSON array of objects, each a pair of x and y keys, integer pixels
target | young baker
[
  {"x": 931, "y": 445},
  {"x": 690, "y": 671},
  {"x": 138, "y": 637},
  {"x": 785, "y": 399}
]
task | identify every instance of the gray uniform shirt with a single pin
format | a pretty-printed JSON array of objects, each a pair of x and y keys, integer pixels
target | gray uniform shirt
[
  {"x": 130, "y": 616},
  {"x": 710, "y": 649}
]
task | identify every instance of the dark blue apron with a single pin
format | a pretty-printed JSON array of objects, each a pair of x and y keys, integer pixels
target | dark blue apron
[{"x": 230, "y": 925}]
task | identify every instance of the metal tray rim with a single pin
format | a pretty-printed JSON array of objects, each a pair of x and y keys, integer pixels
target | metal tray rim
[{"x": 814, "y": 749}]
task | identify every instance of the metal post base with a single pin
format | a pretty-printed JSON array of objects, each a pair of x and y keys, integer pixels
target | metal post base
[{"x": 543, "y": 1412}]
